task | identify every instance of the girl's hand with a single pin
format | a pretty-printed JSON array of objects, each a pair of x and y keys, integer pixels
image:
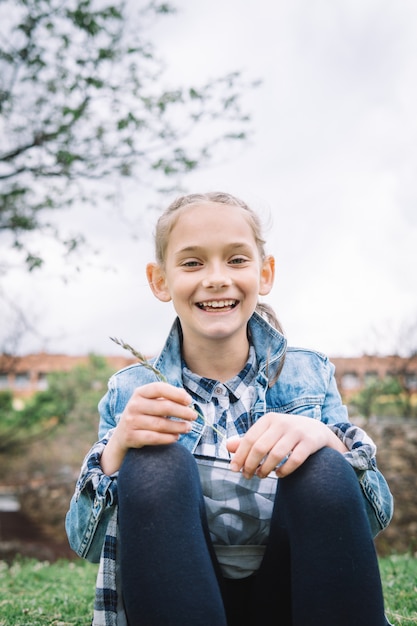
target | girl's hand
[
  {"x": 144, "y": 421},
  {"x": 275, "y": 436}
]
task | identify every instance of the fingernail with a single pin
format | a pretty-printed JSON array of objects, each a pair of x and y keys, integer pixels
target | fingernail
[{"x": 234, "y": 466}]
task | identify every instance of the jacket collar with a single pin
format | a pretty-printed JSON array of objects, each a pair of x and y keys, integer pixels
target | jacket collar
[{"x": 270, "y": 347}]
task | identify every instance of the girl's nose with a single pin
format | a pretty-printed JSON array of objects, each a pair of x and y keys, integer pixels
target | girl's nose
[{"x": 216, "y": 277}]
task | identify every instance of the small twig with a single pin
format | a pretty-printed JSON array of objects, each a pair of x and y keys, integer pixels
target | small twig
[{"x": 142, "y": 360}]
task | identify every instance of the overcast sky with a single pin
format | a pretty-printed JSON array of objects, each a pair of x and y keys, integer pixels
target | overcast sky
[{"x": 332, "y": 161}]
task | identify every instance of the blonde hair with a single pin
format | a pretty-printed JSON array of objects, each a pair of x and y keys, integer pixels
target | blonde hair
[{"x": 169, "y": 218}]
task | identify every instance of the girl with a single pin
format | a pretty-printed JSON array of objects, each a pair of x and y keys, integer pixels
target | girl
[{"x": 227, "y": 485}]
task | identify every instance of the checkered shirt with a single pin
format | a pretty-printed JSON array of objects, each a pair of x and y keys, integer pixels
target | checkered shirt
[{"x": 238, "y": 510}]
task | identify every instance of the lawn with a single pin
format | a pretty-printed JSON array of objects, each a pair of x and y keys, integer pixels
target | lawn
[
  {"x": 34, "y": 593},
  {"x": 399, "y": 578}
]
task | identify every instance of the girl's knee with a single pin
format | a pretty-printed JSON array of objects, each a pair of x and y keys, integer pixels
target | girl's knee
[
  {"x": 327, "y": 465},
  {"x": 168, "y": 465},
  {"x": 160, "y": 482},
  {"x": 325, "y": 479}
]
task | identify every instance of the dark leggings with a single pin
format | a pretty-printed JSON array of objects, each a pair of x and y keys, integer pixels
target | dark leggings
[{"x": 319, "y": 569}]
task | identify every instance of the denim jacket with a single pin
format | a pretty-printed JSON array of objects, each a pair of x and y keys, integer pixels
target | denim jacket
[{"x": 305, "y": 386}]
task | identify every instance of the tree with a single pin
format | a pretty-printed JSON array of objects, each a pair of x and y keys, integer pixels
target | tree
[
  {"x": 70, "y": 399},
  {"x": 399, "y": 388},
  {"x": 84, "y": 98},
  {"x": 383, "y": 397}
]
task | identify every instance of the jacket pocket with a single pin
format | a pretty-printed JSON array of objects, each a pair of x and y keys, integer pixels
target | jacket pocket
[{"x": 310, "y": 406}]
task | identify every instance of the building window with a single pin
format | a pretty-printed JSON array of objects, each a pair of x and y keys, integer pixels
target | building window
[
  {"x": 22, "y": 380},
  {"x": 370, "y": 377},
  {"x": 42, "y": 382},
  {"x": 350, "y": 380},
  {"x": 4, "y": 381},
  {"x": 411, "y": 381}
]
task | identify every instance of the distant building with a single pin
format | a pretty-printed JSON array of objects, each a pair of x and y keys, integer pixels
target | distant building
[
  {"x": 354, "y": 373},
  {"x": 26, "y": 375}
]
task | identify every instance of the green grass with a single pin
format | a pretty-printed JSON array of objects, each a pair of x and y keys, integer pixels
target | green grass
[
  {"x": 399, "y": 579},
  {"x": 33, "y": 593}
]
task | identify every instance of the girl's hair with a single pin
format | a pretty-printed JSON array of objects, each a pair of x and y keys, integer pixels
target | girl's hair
[{"x": 169, "y": 217}]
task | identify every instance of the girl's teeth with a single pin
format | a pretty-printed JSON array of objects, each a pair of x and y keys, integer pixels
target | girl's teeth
[{"x": 219, "y": 303}]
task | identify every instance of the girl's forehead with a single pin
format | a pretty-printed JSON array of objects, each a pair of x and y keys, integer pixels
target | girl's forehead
[
  {"x": 211, "y": 224},
  {"x": 212, "y": 216},
  {"x": 207, "y": 208}
]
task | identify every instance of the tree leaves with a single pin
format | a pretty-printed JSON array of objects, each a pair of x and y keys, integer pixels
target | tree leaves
[{"x": 84, "y": 97}]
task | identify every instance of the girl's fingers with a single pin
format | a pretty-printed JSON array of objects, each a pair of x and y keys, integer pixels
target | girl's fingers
[
  {"x": 248, "y": 456},
  {"x": 266, "y": 459},
  {"x": 287, "y": 464},
  {"x": 161, "y": 399},
  {"x": 151, "y": 430},
  {"x": 268, "y": 445},
  {"x": 146, "y": 418},
  {"x": 164, "y": 390},
  {"x": 161, "y": 407},
  {"x": 253, "y": 447},
  {"x": 232, "y": 443}
]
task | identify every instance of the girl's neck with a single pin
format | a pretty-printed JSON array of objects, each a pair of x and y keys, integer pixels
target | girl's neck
[{"x": 219, "y": 361}]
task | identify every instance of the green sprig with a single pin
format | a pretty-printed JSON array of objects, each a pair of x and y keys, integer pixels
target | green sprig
[{"x": 142, "y": 359}]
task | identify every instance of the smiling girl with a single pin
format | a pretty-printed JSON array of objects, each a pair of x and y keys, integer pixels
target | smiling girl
[{"x": 237, "y": 492}]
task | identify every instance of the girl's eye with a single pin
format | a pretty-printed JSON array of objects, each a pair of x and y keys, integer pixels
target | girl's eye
[
  {"x": 191, "y": 263},
  {"x": 238, "y": 260}
]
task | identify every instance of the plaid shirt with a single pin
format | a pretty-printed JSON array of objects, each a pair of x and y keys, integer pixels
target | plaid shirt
[
  {"x": 229, "y": 497},
  {"x": 227, "y": 405},
  {"x": 227, "y": 494}
]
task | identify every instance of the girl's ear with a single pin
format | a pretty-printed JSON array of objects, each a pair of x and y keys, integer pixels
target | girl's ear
[
  {"x": 267, "y": 275},
  {"x": 157, "y": 282}
]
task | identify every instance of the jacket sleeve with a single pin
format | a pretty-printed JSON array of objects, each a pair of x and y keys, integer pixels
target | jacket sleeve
[
  {"x": 95, "y": 497},
  {"x": 361, "y": 449},
  {"x": 91, "y": 506}
]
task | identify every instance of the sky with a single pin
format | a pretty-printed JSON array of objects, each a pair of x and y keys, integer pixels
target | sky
[{"x": 331, "y": 166}]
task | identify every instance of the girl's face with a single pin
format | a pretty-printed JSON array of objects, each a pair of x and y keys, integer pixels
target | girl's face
[{"x": 213, "y": 272}]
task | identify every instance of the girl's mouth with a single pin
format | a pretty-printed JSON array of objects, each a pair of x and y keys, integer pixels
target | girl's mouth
[{"x": 218, "y": 305}]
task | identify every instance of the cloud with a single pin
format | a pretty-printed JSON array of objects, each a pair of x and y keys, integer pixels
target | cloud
[{"x": 333, "y": 159}]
